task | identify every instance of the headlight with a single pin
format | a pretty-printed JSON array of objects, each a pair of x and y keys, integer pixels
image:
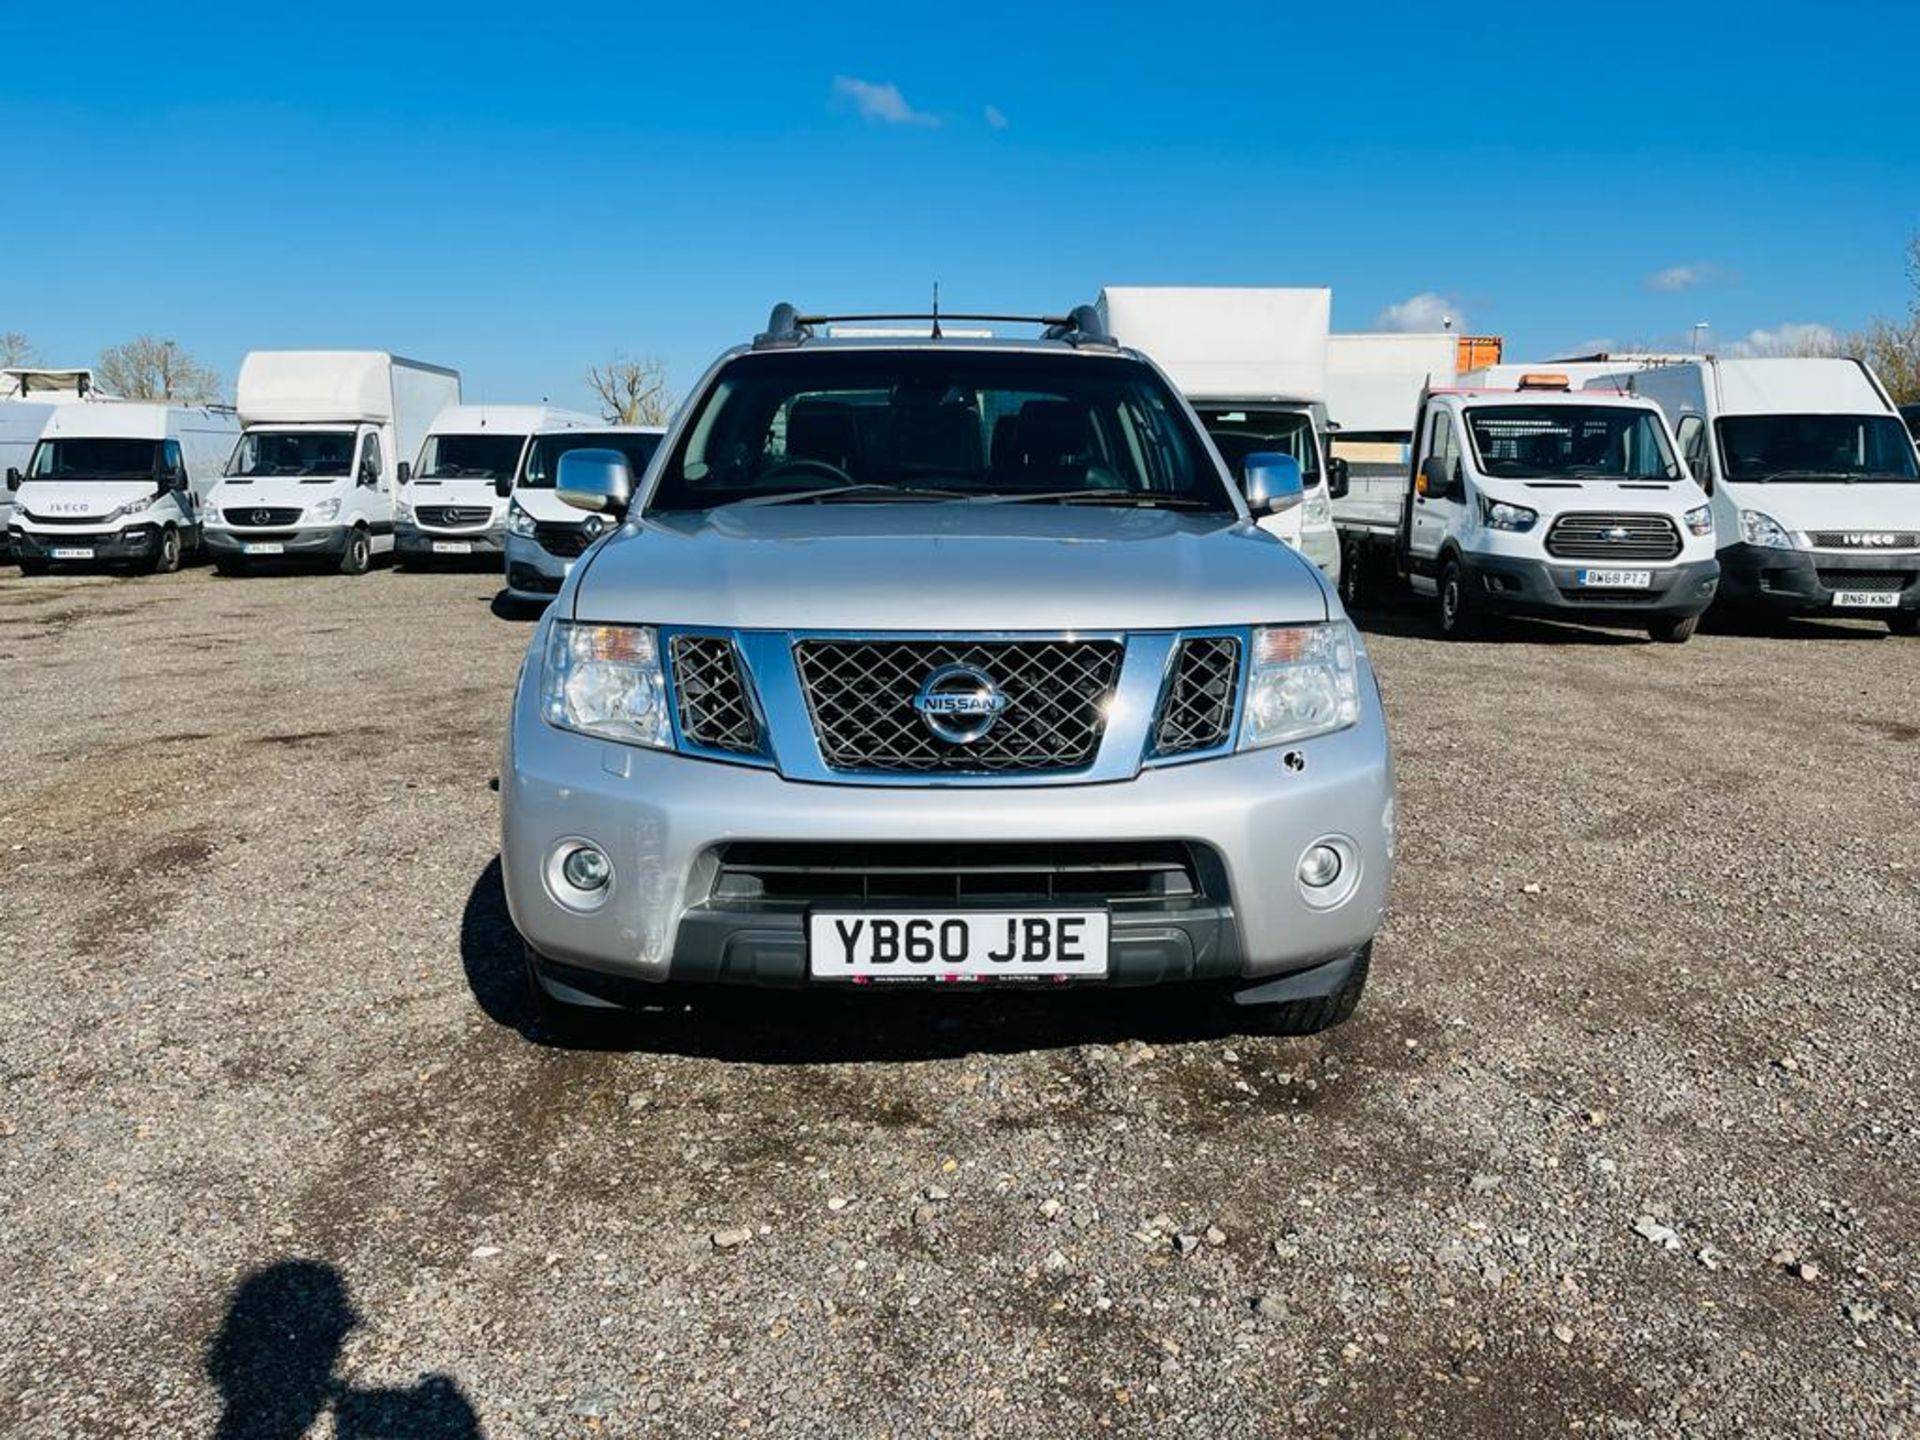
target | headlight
[
  {"x": 1764, "y": 531},
  {"x": 605, "y": 680},
  {"x": 1317, "y": 511},
  {"x": 209, "y": 515},
  {"x": 132, "y": 507},
  {"x": 325, "y": 509},
  {"x": 519, "y": 522},
  {"x": 1304, "y": 681},
  {"x": 403, "y": 512},
  {"x": 1499, "y": 515},
  {"x": 1700, "y": 520}
]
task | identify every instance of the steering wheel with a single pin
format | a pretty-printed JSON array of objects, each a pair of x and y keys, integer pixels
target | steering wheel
[{"x": 824, "y": 468}]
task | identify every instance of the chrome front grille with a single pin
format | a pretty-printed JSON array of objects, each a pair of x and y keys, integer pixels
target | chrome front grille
[
  {"x": 262, "y": 516},
  {"x": 452, "y": 517},
  {"x": 710, "y": 695},
  {"x": 1604, "y": 536},
  {"x": 1196, "y": 713},
  {"x": 860, "y": 696}
]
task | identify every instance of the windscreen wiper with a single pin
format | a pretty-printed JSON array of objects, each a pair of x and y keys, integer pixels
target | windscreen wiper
[
  {"x": 1134, "y": 498},
  {"x": 861, "y": 492}
]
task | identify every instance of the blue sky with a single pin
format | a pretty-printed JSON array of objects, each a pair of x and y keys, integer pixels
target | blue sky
[{"x": 520, "y": 193}]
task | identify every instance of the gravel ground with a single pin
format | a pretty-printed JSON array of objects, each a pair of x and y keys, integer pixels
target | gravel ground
[{"x": 1622, "y": 1140}]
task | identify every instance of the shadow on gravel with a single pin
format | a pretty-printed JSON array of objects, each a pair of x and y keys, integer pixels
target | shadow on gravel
[
  {"x": 274, "y": 1358},
  {"x": 1407, "y": 619},
  {"x": 798, "y": 1027},
  {"x": 506, "y": 607}
]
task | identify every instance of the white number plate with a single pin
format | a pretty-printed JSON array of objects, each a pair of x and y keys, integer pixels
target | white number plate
[
  {"x": 264, "y": 547},
  {"x": 453, "y": 547},
  {"x": 972, "y": 945},
  {"x": 1616, "y": 579},
  {"x": 1866, "y": 599},
  {"x": 71, "y": 552}
]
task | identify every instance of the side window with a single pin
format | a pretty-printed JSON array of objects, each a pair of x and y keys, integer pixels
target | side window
[
  {"x": 1692, "y": 436},
  {"x": 370, "y": 458},
  {"x": 171, "y": 462},
  {"x": 1445, "y": 447}
]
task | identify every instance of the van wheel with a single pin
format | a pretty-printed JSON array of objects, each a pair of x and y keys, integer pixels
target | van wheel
[
  {"x": 1356, "y": 583},
  {"x": 35, "y": 567},
  {"x": 231, "y": 566},
  {"x": 1310, "y": 1017},
  {"x": 1904, "y": 622},
  {"x": 1458, "y": 619},
  {"x": 357, "y": 558},
  {"x": 166, "y": 559},
  {"x": 1673, "y": 629}
]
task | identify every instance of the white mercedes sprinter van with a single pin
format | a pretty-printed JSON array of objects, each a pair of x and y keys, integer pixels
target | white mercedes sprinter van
[
  {"x": 1814, "y": 479},
  {"x": 118, "y": 481},
  {"x": 314, "y": 473},
  {"x": 452, "y": 505},
  {"x": 545, "y": 535}
]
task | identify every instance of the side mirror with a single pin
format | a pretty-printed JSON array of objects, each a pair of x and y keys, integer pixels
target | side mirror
[
  {"x": 596, "y": 480},
  {"x": 1273, "y": 483},
  {"x": 1436, "y": 478},
  {"x": 13, "y": 477},
  {"x": 405, "y": 471},
  {"x": 503, "y": 485},
  {"x": 1339, "y": 478}
]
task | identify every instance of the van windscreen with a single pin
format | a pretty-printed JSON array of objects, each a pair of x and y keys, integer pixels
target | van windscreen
[
  {"x": 470, "y": 457},
  {"x": 1570, "y": 442},
  {"x": 543, "y": 458},
  {"x": 291, "y": 452},
  {"x": 1800, "y": 448},
  {"x": 95, "y": 458}
]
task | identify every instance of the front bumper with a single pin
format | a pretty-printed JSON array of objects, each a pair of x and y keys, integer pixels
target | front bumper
[
  {"x": 133, "y": 542},
  {"x": 410, "y": 540},
  {"x": 1520, "y": 586},
  {"x": 1322, "y": 546},
  {"x": 533, "y": 571},
  {"x": 1803, "y": 582},
  {"x": 310, "y": 541},
  {"x": 662, "y": 819}
]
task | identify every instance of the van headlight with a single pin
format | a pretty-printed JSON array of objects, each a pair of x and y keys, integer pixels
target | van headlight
[
  {"x": 325, "y": 510},
  {"x": 606, "y": 680},
  {"x": 519, "y": 522},
  {"x": 132, "y": 507},
  {"x": 1503, "y": 515},
  {"x": 1304, "y": 680},
  {"x": 1317, "y": 512},
  {"x": 403, "y": 512},
  {"x": 1764, "y": 531},
  {"x": 1700, "y": 520}
]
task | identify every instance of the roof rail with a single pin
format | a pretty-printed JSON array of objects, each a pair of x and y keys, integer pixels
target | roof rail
[{"x": 787, "y": 327}]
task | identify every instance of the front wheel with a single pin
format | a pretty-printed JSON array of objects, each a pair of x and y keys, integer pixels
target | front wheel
[
  {"x": 1458, "y": 619},
  {"x": 230, "y": 566},
  {"x": 1673, "y": 629},
  {"x": 1356, "y": 584},
  {"x": 35, "y": 567},
  {"x": 357, "y": 558},
  {"x": 1904, "y": 622},
  {"x": 166, "y": 559}
]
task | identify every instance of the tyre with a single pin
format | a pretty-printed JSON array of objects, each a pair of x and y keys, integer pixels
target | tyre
[
  {"x": 1310, "y": 1017},
  {"x": 357, "y": 558},
  {"x": 1673, "y": 629},
  {"x": 231, "y": 566},
  {"x": 1356, "y": 583},
  {"x": 34, "y": 567},
  {"x": 166, "y": 559},
  {"x": 1458, "y": 616},
  {"x": 1904, "y": 622}
]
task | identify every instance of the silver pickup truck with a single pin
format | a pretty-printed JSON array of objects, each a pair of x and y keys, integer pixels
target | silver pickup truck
[{"x": 945, "y": 660}]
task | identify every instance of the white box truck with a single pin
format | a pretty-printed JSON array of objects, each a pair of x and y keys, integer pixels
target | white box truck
[
  {"x": 325, "y": 447},
  {"x": 118, "y": 481},
  {"x": 1814, "y": 482},
  {"x": 456, "y": 502},
  {"x": 1252, "y": 361}
]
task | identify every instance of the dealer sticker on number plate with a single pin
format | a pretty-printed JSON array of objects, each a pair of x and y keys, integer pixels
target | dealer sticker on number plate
[
  {"x": 1616, "y": 579},
  {"x": 1866, "y": 599},
  {"x": 972, "y": 945}
]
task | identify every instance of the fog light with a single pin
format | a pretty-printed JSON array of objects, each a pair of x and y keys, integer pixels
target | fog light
[
  {"x": 1320, "y": 867},
  {"x": 588, "y": 869}
]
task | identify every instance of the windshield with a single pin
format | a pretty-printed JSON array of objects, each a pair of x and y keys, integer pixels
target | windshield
[
  {"x": 1815, "y": 447},
  {"x": 1240, "y": 433},
  {"x": 470, "y": 457},
  {"x": 292, "y": 452},
  {"x": 966, "y": 425},
  {"x": 95, "y": 459},
  {"x": 543, "y": 457},
  {"x": 1570, "y": 442}
]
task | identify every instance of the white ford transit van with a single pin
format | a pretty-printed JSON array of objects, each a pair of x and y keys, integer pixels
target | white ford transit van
[{"x": 452, "y": 505}]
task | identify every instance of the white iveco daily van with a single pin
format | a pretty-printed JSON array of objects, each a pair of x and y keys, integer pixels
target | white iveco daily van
[
  {"x": 453, "y": 506},
  {"x": 1815, "y": 485},
  {"x": 314, "y": 473},
  {"x": 120, "y": 481},
  {"x": 1253, "y": 364},
  {"x": 545, "y": 535}
]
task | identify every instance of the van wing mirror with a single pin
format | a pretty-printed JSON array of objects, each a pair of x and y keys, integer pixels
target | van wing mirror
[
  {"x": 1273, "y": 482},
  {"x": 1339, "y": 478},
  {"x": 594, "y": 480},
  {"x": 1436, "y": 478},
  {"x": 13, "y": 477},
  {"x": 503, "y": 485},
  {"x": 404, "y": 470}
]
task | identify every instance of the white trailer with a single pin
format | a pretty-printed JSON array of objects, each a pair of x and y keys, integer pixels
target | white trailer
[
  {"x": 1252, "y": 361},
  {"x": 328, "y": 440}
]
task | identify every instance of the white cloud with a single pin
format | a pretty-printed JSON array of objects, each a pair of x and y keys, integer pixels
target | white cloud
[
  {"x": 1789, "y": 339},
  {"x": 995, "y": 119},
  {"x": 1687, "y": 277},
  {"x": 881, "y": 104},
  {"x": 1421, "y": 313}
]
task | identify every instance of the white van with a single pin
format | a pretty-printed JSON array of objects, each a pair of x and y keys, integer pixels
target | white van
[
  {"x": 453, "y": 504},
  {"x": 1814, "y": 479},
  {"x": 1542, "y": 501},
  {"x": 544, "y": 534},
  {"x": 314, "y": 474},
  {"x": 28, "y": 398},
  {"x": 119, "y": 481},
  {"x": 1252, "y": 361}
]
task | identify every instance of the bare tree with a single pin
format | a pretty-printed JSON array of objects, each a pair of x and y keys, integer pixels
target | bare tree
[
  {"x": 16, "y": 349},
  {"x": 632, "y": 392},
  {"x": 150, "y": 368}
]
